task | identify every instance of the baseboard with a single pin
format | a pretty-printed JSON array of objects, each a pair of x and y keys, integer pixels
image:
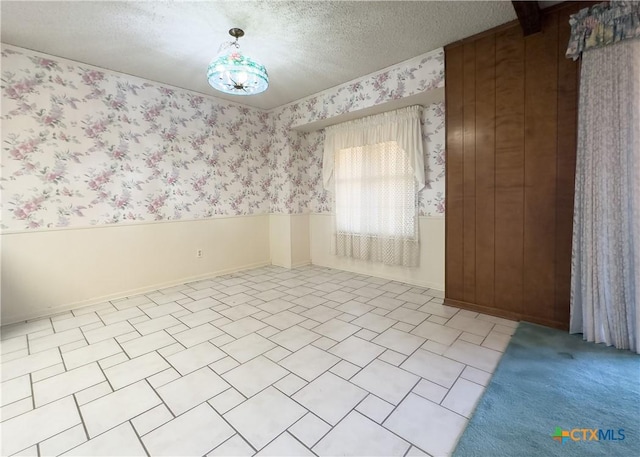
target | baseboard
[
  {"x": 303, "y": 263},
  {"x": 128, "y": 293},
  {"x": 425, "y": 284},
  {"x": 281, "y": 265},
  {"x": 151, "y": 288},
  {"x": 506, "y": 314}
]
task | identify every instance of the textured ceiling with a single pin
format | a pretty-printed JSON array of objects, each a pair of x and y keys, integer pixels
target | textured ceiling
[{"x": 306, "y": 46}]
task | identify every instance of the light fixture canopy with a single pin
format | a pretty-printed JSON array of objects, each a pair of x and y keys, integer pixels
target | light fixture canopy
[{"x": 233, "y": 72}]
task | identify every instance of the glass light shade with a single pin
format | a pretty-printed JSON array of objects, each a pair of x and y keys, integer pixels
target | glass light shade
[{"x": 235, "y": 73}]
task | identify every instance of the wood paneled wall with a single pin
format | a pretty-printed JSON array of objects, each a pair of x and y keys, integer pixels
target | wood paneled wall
[{"x": 511, "y": 112}]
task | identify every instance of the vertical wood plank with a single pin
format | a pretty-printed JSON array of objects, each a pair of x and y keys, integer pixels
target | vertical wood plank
[
  {"x": 454, "y": 59},
  {"x": 485, "y": 169},
  {"x": 511, "y": 142},
  {"x": 566, "y": 166},
  {"x": 469, "y": 171},
  {"x": 540, "y": 143},
  {"x": 509, "y": 169}
]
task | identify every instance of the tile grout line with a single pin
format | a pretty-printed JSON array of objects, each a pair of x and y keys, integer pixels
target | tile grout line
[
  {"x": 33, "y": 394},
  {"x": 271, "y": 275},
  {"x": 227, "y": 440},
  {"x": 136, "y": 431},
  {"x": 319, "y": 418},
  {"x": 84, "y": 426},
  {"x": 298, "y": 440},
  {"x": 393, "y": 410},
  {"x": 232, "y": 428}
]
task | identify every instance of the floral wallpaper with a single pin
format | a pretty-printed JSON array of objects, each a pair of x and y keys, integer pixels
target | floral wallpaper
[
  {"x": 430, "y": 199},
  {"x": 298, "y": 155},
  {"x": 84, "y": 147},
  {"x": 287, "y": 164},
  {"x": 410, "y": 77}
]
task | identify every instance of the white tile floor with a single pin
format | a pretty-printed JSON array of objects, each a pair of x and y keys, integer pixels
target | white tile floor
[{"x": 310, "y": 361}]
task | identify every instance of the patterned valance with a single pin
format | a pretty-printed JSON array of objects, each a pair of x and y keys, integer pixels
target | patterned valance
[{"x": 603, "y": 24}]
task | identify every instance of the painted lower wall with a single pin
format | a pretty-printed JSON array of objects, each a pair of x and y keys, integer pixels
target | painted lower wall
[
  {"x": 289, "y": 240},
  {"x": 50, "y": 271},
  {"x": 279, "y": 239},
  {"x": 429, "y": 274},
  {"x": 92, "y": 157},
  {"x": 45, "y": 272},
  {"x": 300, "y": 240}
]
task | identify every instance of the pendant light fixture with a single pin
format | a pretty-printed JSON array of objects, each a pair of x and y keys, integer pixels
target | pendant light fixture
[{"x": 233, "y": 72}]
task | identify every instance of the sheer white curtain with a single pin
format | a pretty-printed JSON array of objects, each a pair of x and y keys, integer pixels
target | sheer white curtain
[
  {"x": 605, "y": 278},
  {"x": 375, "y": 166}
]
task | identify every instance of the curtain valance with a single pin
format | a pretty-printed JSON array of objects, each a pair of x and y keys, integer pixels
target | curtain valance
[
  {"x": 402, "y": 126},
  {"x": 603, "y": 24}
]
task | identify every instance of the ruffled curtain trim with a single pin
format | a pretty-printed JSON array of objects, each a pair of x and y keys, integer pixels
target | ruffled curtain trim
[
  {"x": 387, "y": 250},
  {"x": 402, "y": 126},
  {"x": 602, "y": 25}
]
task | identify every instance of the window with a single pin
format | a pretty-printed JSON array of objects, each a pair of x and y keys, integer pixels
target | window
[
  {"x": 375, "y": 191},
  {"x": 372, "y": 165}
]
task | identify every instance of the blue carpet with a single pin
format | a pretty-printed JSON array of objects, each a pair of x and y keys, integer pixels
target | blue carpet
[{"x": 547, "y": 379}]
